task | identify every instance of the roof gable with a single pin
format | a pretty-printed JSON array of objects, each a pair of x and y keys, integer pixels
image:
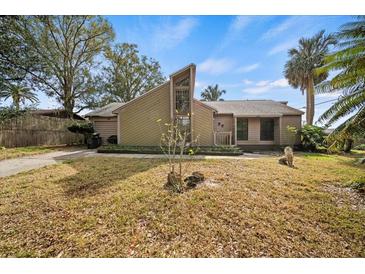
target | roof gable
[{"x": 105, "y": 111}]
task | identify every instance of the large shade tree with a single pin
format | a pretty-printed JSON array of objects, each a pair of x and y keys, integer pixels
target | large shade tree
[
  {"x": 67, "y": 48},
  {"x": 349, "y": 63},
  {"x": 304, "y": 60},
  {"x": 212, "y": 93},
  {"x": 16, "y": 59},
  {"x": 18, "y": 94},
  {"x": 128, "y": 74}
]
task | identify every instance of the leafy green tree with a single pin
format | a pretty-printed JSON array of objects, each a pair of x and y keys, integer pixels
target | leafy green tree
[
  {"x": 15, "y": 57},
  {"x": 128, "y": 74},
  {"x": 349, "y": 63},
  {"x": 300, "y": 69},
  {"x": 212, "y": 93},
  {"x": 18, "y": 94},
  {"x": 67, "y": 48}
]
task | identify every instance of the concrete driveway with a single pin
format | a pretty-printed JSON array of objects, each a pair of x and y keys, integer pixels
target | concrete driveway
[{"x": 17, "y": 165}]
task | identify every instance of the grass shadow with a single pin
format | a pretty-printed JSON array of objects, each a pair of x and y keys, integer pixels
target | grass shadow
[{"x": 92, "y": 175}]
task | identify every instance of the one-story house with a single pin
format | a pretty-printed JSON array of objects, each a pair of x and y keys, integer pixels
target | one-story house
[{"x": 247, "y": 123}]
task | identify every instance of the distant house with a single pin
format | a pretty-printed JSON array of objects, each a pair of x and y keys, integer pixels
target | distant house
[
  {"x": 104, "y": 120},
  {"x": 58, "y": 113},
  {"x": 248, "y": 123}
]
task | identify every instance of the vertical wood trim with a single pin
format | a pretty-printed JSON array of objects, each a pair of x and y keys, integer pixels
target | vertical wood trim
[
  {"x": 118, "y": 128},
  {"x": 171, "y": 99},
  {"x": 280, "y": 126},
  {"x": 191, "y": 102},
  {"x": 235, "y": 129}
]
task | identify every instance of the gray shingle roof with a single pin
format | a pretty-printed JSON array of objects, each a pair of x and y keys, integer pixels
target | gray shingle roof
[
  {"x": 105, "y": 111},
  {"x": 253, "y": 108}
]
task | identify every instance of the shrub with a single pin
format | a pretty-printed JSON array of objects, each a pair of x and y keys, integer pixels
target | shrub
[
  {"x": 312, "y": 137},
  {"x": 360, "y": 147},
  {"x": 113, "y": 139},
  {"x": 205, "y": 150},
  {"x": 83, "y": 128},
  {"x": 7, "y": 113},
  {"x": 358, "y": 184}
]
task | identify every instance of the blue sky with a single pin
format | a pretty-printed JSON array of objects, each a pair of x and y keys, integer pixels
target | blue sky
[{"x": 245, "y": 55}]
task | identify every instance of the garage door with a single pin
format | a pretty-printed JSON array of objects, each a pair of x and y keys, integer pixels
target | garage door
[{"x": 106, "y": 128}]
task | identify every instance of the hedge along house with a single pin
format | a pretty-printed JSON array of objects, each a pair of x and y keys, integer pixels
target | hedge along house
[{"x": 257, "y": 124}]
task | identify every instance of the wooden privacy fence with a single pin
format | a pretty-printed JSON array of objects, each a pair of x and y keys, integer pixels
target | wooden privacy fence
[{"x": 34, "y": 130}]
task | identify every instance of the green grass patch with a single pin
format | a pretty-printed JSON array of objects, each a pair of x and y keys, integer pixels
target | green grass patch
[{"x": 358, "y": 184}]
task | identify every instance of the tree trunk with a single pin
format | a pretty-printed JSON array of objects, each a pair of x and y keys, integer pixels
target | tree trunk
[
  {"x": 348, "y": 145},
  {"x": 68, "y": 106},
  {"x": 16, "y": 102},
  {"x": 310, "y": 102}
]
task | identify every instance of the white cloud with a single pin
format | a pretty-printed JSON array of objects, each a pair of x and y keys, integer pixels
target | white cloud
[
  {"x": 239, "y": 23},
  {"x": 215, "y": 66},
  {"x": 281, "y": 83},
  {"x": 332, "y": 95},
  {"x": 248, "y": 68},
  {"x": 169, "y": 36},
  {"x": 282, "y": 27},
  {"x": 265, "y": 86},
  {"x": 200, "y": 85},
  {"x": 247, "y": 82},
  {"x": 282, "y": 47},
  {"x": 235, "y": 29},
  {"x": 262, "y": 83}
]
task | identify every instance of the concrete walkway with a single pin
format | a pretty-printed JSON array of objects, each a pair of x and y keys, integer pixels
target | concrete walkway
[{"x": 17, "y": 165}]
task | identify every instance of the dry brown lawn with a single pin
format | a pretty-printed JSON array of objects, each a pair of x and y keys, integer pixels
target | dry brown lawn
[
  {"x": 9, "y": 153},
  {"x": 114, "y": 207}
]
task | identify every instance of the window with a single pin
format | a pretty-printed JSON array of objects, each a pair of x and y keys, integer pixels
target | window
[
  {"x": 183, "y": 123},
  {"x": 242, "y": 129},
  {"x": 182, "y": 95},
  {"x": 182, "y": 101},
  {"x": 267, "y": 129},
  {"x": 183, "y": 82}
]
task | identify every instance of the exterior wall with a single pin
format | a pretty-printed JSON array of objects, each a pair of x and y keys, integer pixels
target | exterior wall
[
  {"x": 228, "y": 124},
  {"x": 202, "y": 124},
  {"x": 106, "y": 126},
  {"x": 254, "y": 133},
  {"x": 287, "y": 138},
  {"x": 138, "y": 120},
  {"x": 277, "y": 130}
]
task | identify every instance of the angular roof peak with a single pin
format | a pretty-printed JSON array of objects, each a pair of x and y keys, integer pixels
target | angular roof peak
[{"x": 191, "y": 65}]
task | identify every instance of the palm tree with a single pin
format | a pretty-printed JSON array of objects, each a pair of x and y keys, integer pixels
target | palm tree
[
  {"x": 300, "y": 69},
  {"x": 19, "y": 94},
  {"x": 212, "y": 93},
  {"x": 349, "y": 62}
]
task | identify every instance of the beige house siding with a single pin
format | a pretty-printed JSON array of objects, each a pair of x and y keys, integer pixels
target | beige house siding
[
  {"x": 202, "y": 124},
  {"x": 106, "y": 126},
  {"x": 277, "y": 131},
  {"x": 138, "y": 119},
  {"x": 254, "y": 133},
  {"x": 286, "y": 138},
  {"x": 226, "y": 124}
]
